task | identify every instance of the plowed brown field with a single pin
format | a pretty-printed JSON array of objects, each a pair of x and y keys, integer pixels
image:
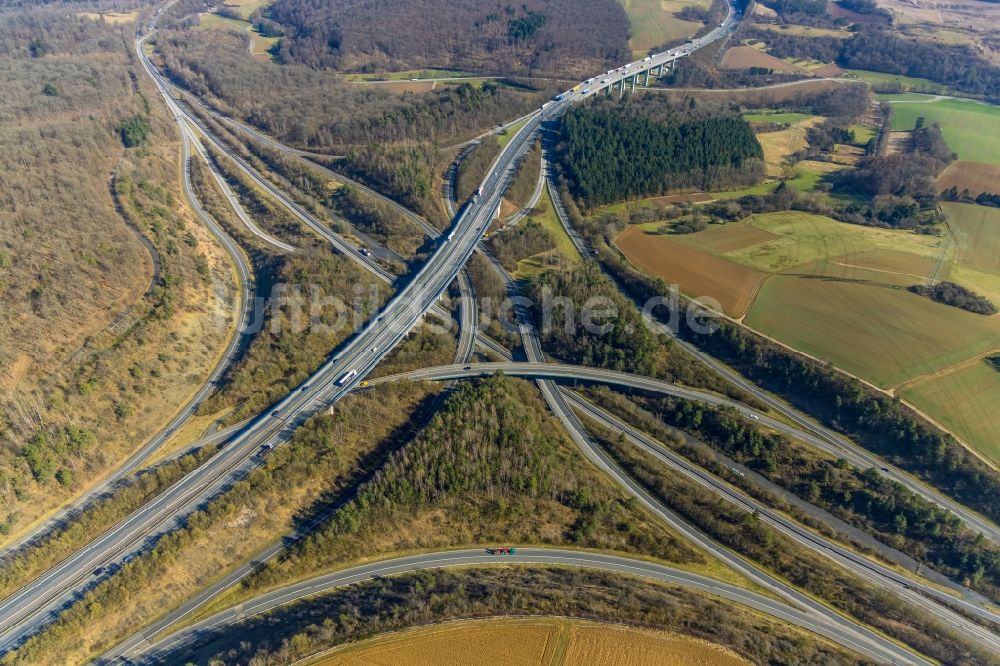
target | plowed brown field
[{"x": 698, "y": 273}]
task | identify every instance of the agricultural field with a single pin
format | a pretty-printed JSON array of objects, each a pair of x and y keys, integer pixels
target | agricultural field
[
  {"x": 838, "y": 291},
  {"x": 971, "y": 129},
  {"x": 806, "y": 31},
  {"x": 905, "y": 82},
  {"x": 744, "y": 57},
  {"x": 977, "y": 229},
  {"x": 973, "y": 176},
  {"x": 877, "y": 331},
  {"x": 653, "y": 22},
  {"x": 698, "y": 273},
  {"x": 534, "y": 642},
  {"x": 246, "y": 7},
  {"x": 964, "y": 401},
  {"x": 836, "y": 282}
]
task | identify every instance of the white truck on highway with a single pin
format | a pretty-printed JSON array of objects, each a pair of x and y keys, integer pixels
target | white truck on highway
[{"x": 346, "y": 377}]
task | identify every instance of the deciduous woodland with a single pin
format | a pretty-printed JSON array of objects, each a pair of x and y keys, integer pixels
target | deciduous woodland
[
  {"x": 550, "y": 36},
  {"x": 318, "y": 109}
]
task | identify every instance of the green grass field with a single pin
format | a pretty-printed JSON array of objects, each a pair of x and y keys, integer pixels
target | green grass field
[
  {"x": 653, "y": 23},
  {"x": 802, "y": 238},
  {"x": 246, "y": 7},
  {"x": 804, "y": 180},
  {"x": 883, "y": 334},
  {"x": 906, "y": 82},
  {"x": 564, "y": 250},
  {"x": 505, "y": 138},
  {"x": 971, "y": 129},
  {"x": 862, "y": 134},
  {"x": 977, "y": 229},
  {"x": 964, "y": 401}
]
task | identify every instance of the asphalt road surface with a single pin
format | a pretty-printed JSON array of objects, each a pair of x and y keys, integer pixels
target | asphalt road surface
[{"x": 172, "y": 648}]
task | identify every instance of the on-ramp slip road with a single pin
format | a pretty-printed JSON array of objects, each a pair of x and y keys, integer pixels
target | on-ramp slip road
[{"x": 171, "y": 649}]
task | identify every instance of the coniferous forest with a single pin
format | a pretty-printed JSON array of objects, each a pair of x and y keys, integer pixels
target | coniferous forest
[{"x": 611, "y": 151}]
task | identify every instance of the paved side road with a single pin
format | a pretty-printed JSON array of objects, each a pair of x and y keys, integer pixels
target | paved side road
[{"x": 173, "y": 648}]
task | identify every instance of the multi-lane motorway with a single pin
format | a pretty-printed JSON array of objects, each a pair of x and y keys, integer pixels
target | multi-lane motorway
[
  {"x": 27, "y": 610},
  {"x": 30, "y": 608}
]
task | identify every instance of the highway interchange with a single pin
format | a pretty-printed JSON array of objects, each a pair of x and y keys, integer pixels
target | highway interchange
[{"x": 30, "y": 608}]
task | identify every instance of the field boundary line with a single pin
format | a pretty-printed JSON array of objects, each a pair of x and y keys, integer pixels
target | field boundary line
[{"x": 937, "y": 374}]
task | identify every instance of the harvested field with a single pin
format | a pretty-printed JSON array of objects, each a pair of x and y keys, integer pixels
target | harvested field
[
  {"x": 823, "y": 168},
  {"x": 114, "y": 18},
  {"x": 778, "y": 146},
  {"x": 829, "y": 69},
  {"x": 973, "y": 176},
  {"x": 964, "y": 401},
  {"x": 595, "y": 644},
  {"x": 806, "y": 31},
  {"x": 535, "y": 642},
  {"x": 697, "y": 273},
  {"x": 744, "y": 57}
]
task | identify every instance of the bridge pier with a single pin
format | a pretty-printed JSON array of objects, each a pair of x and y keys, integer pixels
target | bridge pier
[{"x": 646, "y": 82}]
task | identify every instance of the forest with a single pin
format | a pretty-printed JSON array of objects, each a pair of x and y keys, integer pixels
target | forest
[
  {"x": 957, "y": 66},
  {"x": 615, "y": 151},
  {"x": 318, "y": 109},
  {"x": 881, "y": 49},
  {"x": 490, "y": 457},
  {"x": 529, "y": 37}
]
